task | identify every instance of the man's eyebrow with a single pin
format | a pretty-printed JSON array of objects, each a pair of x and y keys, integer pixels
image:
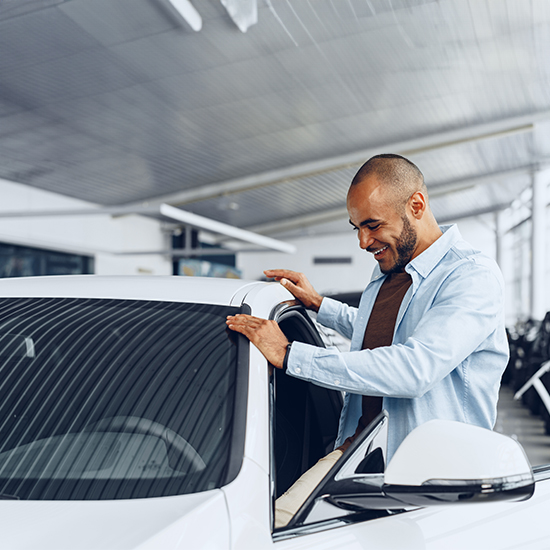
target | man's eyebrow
[
  {"x": 365, "y": 222},
  {"x": 369, "y": 221}
]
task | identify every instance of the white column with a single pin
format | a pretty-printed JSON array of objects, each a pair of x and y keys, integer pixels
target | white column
[
  {"x": 499, "y": 239},
  {"x": 538, "y": 243}
]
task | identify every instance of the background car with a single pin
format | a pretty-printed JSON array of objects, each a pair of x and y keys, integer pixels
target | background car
[{"x": 131, "y": 417}]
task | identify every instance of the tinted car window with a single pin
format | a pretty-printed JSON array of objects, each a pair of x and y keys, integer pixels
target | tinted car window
[{"x": 109, "y": 399}]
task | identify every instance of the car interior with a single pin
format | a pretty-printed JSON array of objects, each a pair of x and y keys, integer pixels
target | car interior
[{"x": 305, "y": 415}]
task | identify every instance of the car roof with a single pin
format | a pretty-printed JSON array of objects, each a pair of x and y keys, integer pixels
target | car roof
[{"x": 206, "y": 290}]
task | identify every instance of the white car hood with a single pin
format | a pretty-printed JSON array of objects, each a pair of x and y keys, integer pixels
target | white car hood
[{"x": 187, "y": 521}]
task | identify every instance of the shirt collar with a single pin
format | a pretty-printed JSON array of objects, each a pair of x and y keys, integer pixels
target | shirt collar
[{"x": 425, "y": 262}]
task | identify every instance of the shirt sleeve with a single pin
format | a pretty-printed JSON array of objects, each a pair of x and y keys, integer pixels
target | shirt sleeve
[
  {"x": 337, "y": 316},
  {"x": 461, "y": 320}
]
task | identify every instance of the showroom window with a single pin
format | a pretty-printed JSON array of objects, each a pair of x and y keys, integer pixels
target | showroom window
[{"x": 24, "y": 261}]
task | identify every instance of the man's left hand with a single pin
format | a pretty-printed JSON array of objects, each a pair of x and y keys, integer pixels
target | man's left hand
[{"x": 265, "y": 335}]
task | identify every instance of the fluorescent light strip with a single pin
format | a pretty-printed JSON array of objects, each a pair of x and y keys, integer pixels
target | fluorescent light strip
[
  {"x": 225, "y": 229},
  {"x": 189, "y": 13}
]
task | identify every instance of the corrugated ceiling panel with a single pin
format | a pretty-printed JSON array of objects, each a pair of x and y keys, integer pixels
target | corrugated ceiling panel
[
  {"x": 285, "y": 200},
  {"x": 38, "y": 38},
  {"x": 111, "y": 22},
  {"x": 135, "y": 105},
  {"x": 468, "y": 201},
  {"x": 11, "y": 9}
]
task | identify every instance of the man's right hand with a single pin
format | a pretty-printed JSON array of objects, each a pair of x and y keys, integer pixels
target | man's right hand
[{"x": 298, "y": 284}]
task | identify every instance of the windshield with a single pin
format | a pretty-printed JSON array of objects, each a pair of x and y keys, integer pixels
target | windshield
[{"x": 111, "y": 399}]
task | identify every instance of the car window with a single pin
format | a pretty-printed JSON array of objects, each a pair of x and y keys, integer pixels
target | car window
[{"x": 116, "y": 399}]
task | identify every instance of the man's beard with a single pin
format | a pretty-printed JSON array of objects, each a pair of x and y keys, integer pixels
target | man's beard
[{"x": 405, "y": 245}]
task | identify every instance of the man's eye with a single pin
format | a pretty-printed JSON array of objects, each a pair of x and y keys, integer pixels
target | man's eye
[{"x": 373, "y": 227}]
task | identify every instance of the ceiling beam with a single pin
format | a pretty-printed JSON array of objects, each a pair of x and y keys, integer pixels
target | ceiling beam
[
  {"x": 474, "y": 213},
  {"x": 184, "y": 252},
  {"x": 270, "y": 228},
  {"x": 341, "y": 213},
  {"x": 299, "y": 222},
  {"x": 296, "y": 222},
  {"x": 102, "y": 210},
  {"x": 491, "y": 130},
  {"x": 168, "y": 211},
  {"x": 439, "y": 189}
]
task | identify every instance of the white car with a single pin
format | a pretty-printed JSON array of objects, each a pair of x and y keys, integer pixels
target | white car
[{"x": 130, "y": 417}]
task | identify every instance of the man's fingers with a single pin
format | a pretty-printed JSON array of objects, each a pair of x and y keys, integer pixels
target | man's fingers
[
  {"x": 292, "y": 287},
  {"x": 279, "y": 274},
  {"x": 243, "y": 322},
  {"x": 242, "y": 329},
  {"x": 298, "y": 284},
  {"x": 246, "y": 327},
  {"x": 289, "y": 279},
  {"x": 240, "y": 320},
  {"x": 265, "y": 335}
]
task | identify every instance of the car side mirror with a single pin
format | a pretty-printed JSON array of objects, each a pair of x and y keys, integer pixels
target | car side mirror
[
  {"x": 443, "y": 462},
  {"x": 440, "y": 462}
]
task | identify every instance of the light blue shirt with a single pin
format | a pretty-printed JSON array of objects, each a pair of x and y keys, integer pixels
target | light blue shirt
[{"x": 449, "y": 345}]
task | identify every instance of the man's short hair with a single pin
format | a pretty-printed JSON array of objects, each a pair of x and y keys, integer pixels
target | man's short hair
[{"x": 395, "y": 171}]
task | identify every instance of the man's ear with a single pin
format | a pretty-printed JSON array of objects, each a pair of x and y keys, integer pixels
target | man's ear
[{"x": 417, "y": 204}]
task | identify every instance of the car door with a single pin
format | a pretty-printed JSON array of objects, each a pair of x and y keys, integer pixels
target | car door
[
  {"x": 323, "y": 523},
  {"x": 304, "y": 425}
]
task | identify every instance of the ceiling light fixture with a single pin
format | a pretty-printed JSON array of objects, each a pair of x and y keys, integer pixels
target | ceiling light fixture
[
  {"x": 188, "y": 12},
  {"x": 244, "y": 13},
  {"x": 225, "y": 229}
]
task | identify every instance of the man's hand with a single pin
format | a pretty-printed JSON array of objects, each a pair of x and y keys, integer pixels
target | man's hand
[
  {"x": 265, "y": 335},
  {"x": 298, "y": 284}
]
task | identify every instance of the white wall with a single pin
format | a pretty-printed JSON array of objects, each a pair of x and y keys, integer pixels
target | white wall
[
  {"x": 480, "y": 233},
  {"x": 326, "y": 279},
  {"x": 101, "y": 236}
]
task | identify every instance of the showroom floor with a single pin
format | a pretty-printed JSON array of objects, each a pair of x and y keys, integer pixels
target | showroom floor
[{"x": 515, "y": 420}]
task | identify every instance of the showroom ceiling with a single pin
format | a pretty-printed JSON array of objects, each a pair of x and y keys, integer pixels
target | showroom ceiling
[{"x": 121, "y": 103}]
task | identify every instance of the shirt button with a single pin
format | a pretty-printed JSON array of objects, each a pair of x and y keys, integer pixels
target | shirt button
[
  {"x": 337, "y": 382},
  {"x": 297, "y": 370}
]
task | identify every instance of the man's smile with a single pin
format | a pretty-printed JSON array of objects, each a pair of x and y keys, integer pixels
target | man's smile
[{"x": 379, "y": 251}]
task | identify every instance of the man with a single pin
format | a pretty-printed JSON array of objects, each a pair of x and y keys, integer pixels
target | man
[{"x": 428, "y": 339}]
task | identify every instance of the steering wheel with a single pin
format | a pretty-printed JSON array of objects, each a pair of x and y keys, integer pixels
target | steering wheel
[{"x": 181, "y": 455}]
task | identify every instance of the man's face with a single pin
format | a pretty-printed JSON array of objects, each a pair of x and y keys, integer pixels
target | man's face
[{"x": 383, "y": 228}]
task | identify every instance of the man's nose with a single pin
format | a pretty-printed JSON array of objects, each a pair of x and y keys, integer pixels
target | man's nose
[{"x": 365, "y": 238}]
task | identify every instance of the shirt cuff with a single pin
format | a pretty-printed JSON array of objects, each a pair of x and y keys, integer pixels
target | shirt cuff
[
  {"x": 328, "y": 310},
  {"x": 298, "y": 359},
  {"x": 285, "y": 360}
]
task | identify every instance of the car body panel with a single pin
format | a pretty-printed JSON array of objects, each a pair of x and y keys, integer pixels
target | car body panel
[
  {"x": 170, "y": 522},
  {"x": 169, "y": 289},
  {"x": 249, "y": 510},
  {"x": 256, "y": 444},
  {"x": 261, "y": 297},
  {"x": 498, "y": 525}
]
